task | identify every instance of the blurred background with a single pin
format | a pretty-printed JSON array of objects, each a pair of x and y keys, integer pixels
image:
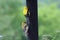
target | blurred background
[
  {"x": 11, "y": 18},
  {"x": 49, "y": 19}
]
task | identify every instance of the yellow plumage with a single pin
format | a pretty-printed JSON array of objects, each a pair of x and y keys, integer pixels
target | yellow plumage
[{"x": 25, "y": 10}]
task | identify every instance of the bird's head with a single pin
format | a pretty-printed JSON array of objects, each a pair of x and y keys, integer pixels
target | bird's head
[{"x": 25, "y": 10}]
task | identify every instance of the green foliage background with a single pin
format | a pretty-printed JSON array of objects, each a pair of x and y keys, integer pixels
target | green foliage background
[
  {"x": 11, "y": 17},
  {"x": 49, "y": 18}
]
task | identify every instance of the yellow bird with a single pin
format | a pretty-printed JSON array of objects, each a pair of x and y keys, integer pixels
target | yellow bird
[{"x": 25, "y": 10}]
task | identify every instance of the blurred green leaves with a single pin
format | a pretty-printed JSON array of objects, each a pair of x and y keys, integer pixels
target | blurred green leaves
[
  {"x": 11, "y": 19},
  {"x": 48, "y": 18}
]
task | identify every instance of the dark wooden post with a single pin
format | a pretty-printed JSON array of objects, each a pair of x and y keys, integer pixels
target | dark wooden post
[{"x": 33, "y": 19}]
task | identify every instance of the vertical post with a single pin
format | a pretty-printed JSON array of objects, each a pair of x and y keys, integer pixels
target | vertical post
[{"x": 33, "y": 19}]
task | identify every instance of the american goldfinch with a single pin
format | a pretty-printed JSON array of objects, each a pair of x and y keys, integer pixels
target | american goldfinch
[
  {"x": 25, "y": 28},
  {"x": 25, "y": 10}
]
